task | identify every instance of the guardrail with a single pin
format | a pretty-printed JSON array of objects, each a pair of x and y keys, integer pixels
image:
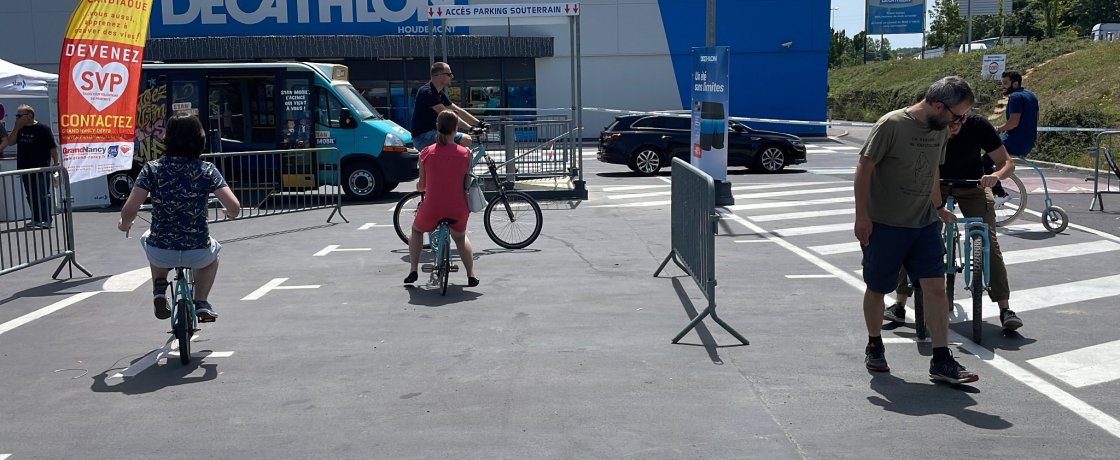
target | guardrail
[
  {"x": 540, "y": 146},
  {"x": 271, "y": 182},
  {"x": 1096, "y": 153},
  {"x": 39, "y": 229},
  {"x": 694, "y": 222}
]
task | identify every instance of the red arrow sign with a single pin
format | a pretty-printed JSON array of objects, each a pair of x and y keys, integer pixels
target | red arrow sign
[
  {"x": 565, "y": 8},
  {"x": 439, "y": 11},
  {"x": 430, "y": 12},
  {"x": 576, "y": 9}
]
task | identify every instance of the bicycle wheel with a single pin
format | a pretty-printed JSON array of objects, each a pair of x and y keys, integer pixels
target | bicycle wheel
[
  {"x": 977, "y": 287},
  {"x": 515, "y": 221},
  {"x": 445, "y": 262},
  {"x": 182, "y": 329},
  {"x": 1016, "y": 203},
  {"x": 1056, "y": 220},
  {"x": 405, "y": 213}
]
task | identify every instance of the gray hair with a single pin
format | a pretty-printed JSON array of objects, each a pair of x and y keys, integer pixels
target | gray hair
[{"x": 951, "y": 91}]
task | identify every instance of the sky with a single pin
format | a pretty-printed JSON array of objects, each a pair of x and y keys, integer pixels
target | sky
[{"x": 849, "y": 17}]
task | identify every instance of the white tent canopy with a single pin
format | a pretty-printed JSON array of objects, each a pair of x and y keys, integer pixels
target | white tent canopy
[{"x": 23, "y": 82}]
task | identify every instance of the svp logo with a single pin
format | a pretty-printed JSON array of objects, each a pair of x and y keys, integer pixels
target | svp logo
[
  {"x": 112, "y": 151},
  {"x": 100, "y": 85}
]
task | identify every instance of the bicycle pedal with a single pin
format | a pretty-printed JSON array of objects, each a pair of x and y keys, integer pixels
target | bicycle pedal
[
  {"x": 454, "y": 268},
  {"x": 427, "y": 268}
]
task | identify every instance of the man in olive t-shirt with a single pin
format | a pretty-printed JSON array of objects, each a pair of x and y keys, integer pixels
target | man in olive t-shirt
[{"x": 898, "y": 206}]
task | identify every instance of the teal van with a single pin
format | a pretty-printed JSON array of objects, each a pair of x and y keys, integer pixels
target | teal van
[{"x": 275, "y": 106}]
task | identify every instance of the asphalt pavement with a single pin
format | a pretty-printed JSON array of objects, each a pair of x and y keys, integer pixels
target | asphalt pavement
[{"x": 564, "y": 349}]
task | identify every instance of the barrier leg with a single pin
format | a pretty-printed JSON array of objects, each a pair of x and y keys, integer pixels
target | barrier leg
[
  {"x": 672, "y": 255},
  {"x": 73, "y": 263},
  {"x": 711, "y": 310}
]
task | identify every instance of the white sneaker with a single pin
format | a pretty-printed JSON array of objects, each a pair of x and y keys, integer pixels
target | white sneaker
[{"x": 1002, "y": 200}]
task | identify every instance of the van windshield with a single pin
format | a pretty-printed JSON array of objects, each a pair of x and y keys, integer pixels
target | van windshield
[{"x": 362, "y": 109}]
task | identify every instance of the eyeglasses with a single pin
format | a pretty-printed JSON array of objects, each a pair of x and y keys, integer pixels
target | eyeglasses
[
  {"x": 21, "y": 114},
  {"x": 449, "y": 74},
  {"x": 957, "y": 119}
]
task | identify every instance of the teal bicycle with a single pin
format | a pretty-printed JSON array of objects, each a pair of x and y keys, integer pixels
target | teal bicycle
[
  {"x": 439, "y": 242},
  {"x": 966, "y": 252},
  {"x": 184, "y": 321}
]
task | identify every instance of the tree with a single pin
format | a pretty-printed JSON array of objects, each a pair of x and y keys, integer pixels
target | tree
[
  {"x": 1054, "y": 14},
  {"x": 946, "y": 25},
  {"x": 839, "y": 46},
  {"x": 1087, "y": 13}
]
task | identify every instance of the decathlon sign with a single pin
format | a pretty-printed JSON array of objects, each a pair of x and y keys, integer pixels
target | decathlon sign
[
  {"x": 225, "y": 18},
  {"x": 503, "y": 11}
]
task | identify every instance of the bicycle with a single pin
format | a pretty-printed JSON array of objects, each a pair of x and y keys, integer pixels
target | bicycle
[
  {"x": 184, "y": 320},
  {"x": 440, "y": 244},
  {"x": 1054, "y": 218},
  {"x": 513, "y": 219},
  {"x": 976, "y": 250}
]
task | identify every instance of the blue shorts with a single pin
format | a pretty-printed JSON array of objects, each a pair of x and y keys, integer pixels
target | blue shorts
[
  {"x": 195, "y": 259},
  {"x": 428, "y": 138},
  {"x": 890, "y": 248}
]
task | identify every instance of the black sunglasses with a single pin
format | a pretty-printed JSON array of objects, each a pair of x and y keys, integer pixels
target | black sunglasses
[{"x": 957, "y": 119}]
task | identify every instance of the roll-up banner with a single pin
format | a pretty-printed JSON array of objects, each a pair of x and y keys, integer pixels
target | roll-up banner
[
  {"x": 710, "y": 78},
  {"x": 98, "y": 75}
]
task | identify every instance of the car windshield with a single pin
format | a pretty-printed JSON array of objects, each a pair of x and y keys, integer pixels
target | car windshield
[{"x": 362, "y": 109}]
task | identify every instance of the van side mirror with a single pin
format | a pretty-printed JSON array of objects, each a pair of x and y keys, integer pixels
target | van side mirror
[{"x": 346, "y": 119}]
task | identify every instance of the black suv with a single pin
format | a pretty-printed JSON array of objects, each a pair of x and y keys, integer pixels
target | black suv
[{"x": 646, "y": 143}]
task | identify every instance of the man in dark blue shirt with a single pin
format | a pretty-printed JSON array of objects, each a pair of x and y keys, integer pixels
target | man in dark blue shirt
[
  {"x": 1021, "y": 128},
  {"x": 431, "y": 99}
]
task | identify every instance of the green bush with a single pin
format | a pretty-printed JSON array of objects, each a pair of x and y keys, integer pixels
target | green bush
[{"x": 1071, "y": 148}]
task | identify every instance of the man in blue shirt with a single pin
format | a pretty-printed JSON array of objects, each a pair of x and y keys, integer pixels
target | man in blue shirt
[{"x": 1021, "y": 128}]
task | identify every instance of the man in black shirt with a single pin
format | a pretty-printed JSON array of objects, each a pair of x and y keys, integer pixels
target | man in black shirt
[
  {"x": 964, "y": 161},
  {"x": 35, "y": 148},
  {"x": 431, "y": 99}
]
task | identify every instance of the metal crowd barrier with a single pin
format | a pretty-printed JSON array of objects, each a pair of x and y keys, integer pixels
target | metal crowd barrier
[
  {"x": 541, "y": 146},
  {"x": 1106, "y": 151},
  {"x": 40, "y": 229},
  {"x": 694, "y": 222},
  {"x": 271, "y": 182}
]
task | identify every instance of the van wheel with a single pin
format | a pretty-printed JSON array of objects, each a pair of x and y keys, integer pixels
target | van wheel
[
  {"x": 363, "y": 180},
  {"x": 120, "y": 186}
]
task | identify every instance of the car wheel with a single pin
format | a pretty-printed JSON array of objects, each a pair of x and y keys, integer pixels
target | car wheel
[
  {"x": 363, "y": 180},
  {"x": 646, "y": 161},
  {"x": 770, "y": 159}
]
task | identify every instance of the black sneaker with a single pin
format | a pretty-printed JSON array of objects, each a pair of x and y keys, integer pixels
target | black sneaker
[
  {"x": 949, "y": 370},
  {"x": 875, "y": 359},
  {"x": 163, "y": 309},
  {"x": 1010, "y": 320},
  {"x": 205, "y": 312},
  {"x": 895, "y": 313}
]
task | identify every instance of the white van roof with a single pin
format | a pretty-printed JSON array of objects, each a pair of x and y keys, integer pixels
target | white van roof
[{"x": 328, "y": 71}]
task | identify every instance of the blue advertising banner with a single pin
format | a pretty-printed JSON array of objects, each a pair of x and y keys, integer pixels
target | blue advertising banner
[
  {"x": 234, "y": 18},
  {"x": 895, "y": 16},
  {"x": 710, "y": 70}
]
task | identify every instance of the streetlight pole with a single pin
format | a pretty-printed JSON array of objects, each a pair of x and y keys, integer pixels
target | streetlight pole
[{"x": 832, "y": 25}]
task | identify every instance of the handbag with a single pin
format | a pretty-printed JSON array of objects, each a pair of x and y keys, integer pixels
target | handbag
[{"x": 476, "y": 201}]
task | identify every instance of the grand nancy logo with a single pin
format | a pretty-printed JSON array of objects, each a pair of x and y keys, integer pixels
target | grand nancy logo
[{"x": 100, "y": 85}]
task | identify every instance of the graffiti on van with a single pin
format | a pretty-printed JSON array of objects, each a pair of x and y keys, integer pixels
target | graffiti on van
[{"x": 151, "y": 116}]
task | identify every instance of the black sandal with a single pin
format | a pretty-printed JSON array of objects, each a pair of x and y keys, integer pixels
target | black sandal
[
  {"x": 472, "y": 281},
  {"x": 159, "y": 299},
  {"x": 411, "y": 278}
]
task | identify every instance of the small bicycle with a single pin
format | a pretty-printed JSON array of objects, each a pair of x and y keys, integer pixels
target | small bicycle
[
  {"x": 1054, "y": 218},
  {"x": 513, "y": 219},
  {"x": 970, "y": 256},
  {"x": 184, "y": 321},
  {"x": 440, "y": 244}
]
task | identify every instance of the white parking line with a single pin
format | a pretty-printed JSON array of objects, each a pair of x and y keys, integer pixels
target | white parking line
[
  {"x": 335, "y": 248},
  {"x": 275, "y": 284},
  {"x": 803, "y": 215},
  {"x": 1055, "y": 252},
  {"x": 1084, "y": 367},
  {"x": 791, "y": 204},
  {"x": 370, "y": 225},
  {"x": 45, "y": 311},
  {"x": 815, "y": 229},
  {"x": 1095, "y": 416}
]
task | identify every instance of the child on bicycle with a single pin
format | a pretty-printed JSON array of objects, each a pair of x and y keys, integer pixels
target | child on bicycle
[
  {"x": 443, "y": 170},
  {"x": 180, "y": 184}
]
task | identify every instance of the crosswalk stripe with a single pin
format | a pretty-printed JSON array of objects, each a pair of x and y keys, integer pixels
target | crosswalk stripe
[
  {"x": 635, "y": 205},
  {"x": 845, "y": 147},
  {"x": 818, "y": 151},
  {"x": 839, "y": 248},
  {"x": 802, "y": 215},
  {"x": 814, "y": 229},
  {"x": 790, "y": 204},
  {"x": 1050, "y": 296},
  {"x": 786, "y": 193},
  {"x": 1056, "y": 252},
  {"x": 1018, "y": 228},
  {"x": 838, "y": 170},
  {"x": 625, "y": 196},
  {"x": 1084, "y": 367},
  {"x": 621, "y": 188}
]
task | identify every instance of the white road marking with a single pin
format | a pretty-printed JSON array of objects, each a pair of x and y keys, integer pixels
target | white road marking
[
  {"x": 815, "y": 229},
  {"x": 1055, "y": 252},
  {"x": 838, "y": 248},
  {"x": 1084, "y": 367},
  {"x": 127, "y": 281},
  {"x": 373, "y": 225},
  {"x": 753, "y": 241},
  {"x": 1093, "y": 415},
  {"x": 45, "y": 311},
  {"x": 5, "y": 456},
  {"x": 335, "y": 248},
  {"x": 803, "y": 215},
  {"x": 737, "y": 187},
  {"x": 791, "y": 204},
  {"x": 787, "y": 193},
  {"x": 1049, "y": 296},
  {"x": 839, "y": 170},
  {"x": 622, "y": 188},
  {"x": 809, "y": 277},
  {"x": 168, "y": 350},
  {"x": 1017, "y": 228},
  {"x": 635, "y": 205},
  {"x": 818, "y": 151},
  {"x": 275, "y": 284}
]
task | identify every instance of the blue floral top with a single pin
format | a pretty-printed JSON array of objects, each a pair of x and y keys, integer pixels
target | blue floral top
[{"x": 179, "y": 189}]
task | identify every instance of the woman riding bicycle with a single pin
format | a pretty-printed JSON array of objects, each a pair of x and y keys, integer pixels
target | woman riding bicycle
[
  {"x": 180, "y": 185},
  {"x": 443, "y": 170}
]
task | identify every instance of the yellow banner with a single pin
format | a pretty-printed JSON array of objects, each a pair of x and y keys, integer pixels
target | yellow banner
[{"x": 120, "y": 21}]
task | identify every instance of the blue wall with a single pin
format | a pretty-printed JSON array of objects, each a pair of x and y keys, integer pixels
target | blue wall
[{"x": 767, "y": 79}]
